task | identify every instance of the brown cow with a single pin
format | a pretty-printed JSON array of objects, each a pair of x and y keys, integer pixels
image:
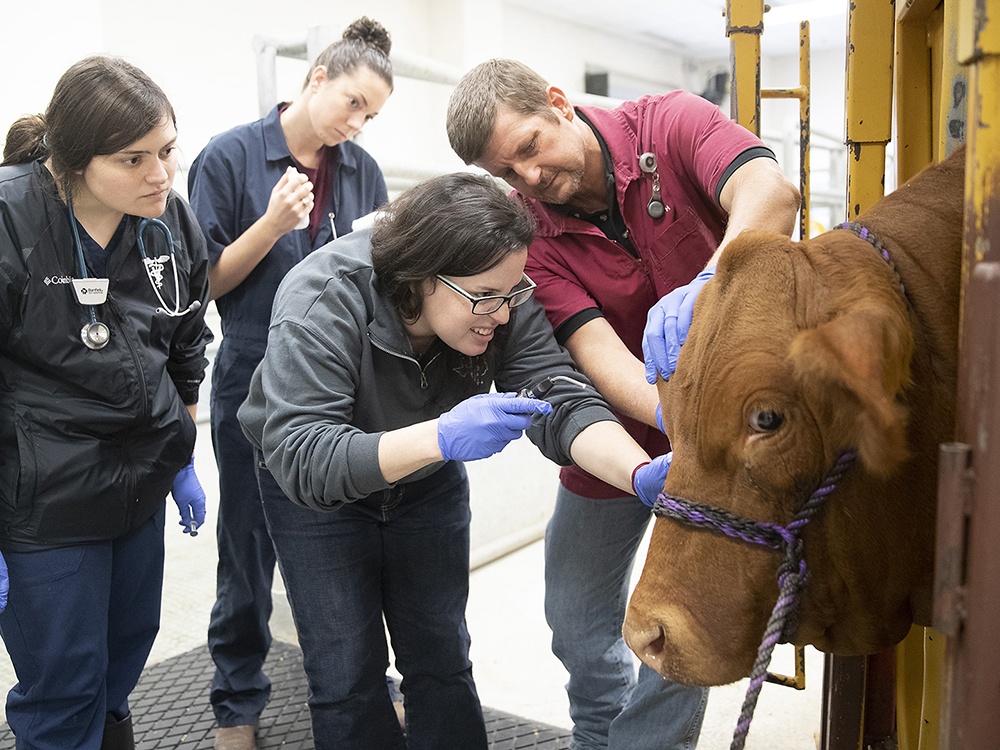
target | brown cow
[{"x": 798, "y": 351}]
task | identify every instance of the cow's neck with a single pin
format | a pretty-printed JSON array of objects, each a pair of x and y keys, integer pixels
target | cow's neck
[{"x": 920, "y": 225}]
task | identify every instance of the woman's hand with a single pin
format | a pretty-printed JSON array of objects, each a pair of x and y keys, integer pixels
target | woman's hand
[
  {"x": 190, "y": 499},
  {"x": 483, "y": 425},
  {"x": 290, "y": 203},
  {"x": 648, "y": 478}
]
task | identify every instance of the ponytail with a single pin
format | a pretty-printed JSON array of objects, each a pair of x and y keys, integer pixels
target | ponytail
[{"x": 26, "y": 141}]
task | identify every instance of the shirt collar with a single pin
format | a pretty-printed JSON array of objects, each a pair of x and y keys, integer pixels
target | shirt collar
[{"x": 276, "y": 147}]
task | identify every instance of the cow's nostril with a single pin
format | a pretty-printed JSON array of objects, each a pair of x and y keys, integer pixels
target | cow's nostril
[
  {"x": 652, "y": 652},
  {"x": 648, "y": 641}
]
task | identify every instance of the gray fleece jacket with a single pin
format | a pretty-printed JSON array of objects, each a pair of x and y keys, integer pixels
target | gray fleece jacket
[{"x": 339, "y": 372}]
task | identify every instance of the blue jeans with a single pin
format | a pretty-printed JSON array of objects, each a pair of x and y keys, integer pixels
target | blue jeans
[
  {"x": 239, "y": 636},
  {"x": 402, "y": 555},
  {"x": 78, "y": 626},
  {"x": 590, "y": 547}
]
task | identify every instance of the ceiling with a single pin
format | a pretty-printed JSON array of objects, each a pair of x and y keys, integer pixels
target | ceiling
[{"x": 697, "y": 28}]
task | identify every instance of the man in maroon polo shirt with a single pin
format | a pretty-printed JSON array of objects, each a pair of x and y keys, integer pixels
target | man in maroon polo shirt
[{"x": 632, "y": 203}]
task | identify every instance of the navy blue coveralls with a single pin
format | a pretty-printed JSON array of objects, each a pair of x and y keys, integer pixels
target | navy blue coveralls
[{"x": 230, "y": 184}]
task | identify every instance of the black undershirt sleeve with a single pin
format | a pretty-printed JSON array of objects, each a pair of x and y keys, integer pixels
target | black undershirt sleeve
[
  {"x": 575, "y": 323},
  {"x": 751, "y": 153}
]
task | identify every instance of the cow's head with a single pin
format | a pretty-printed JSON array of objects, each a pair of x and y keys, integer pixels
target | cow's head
[{"x": 792, "y": 357}]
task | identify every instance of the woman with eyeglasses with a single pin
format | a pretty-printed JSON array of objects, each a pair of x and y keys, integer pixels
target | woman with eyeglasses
[{"x": 374, "y": 389}]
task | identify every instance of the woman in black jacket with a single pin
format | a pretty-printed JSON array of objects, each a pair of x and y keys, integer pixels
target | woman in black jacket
[{"x": 103, "y": 281}]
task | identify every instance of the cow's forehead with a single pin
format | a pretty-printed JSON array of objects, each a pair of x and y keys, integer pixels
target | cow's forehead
[{"x": 735, "y": 359}]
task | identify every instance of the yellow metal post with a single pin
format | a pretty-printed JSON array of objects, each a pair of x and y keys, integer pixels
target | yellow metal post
[
  {"x": 982, "y": 52},
  {"x": 918, "y": 61},
  {"x": 744, "y": 25},
  {"x": 970, "y": 719},
  {"x": 930, "y": 123},
  {"x": 801, "y": 92},
  {"x": 869, "y": 101},
  {"x": 954, "y": 86}
]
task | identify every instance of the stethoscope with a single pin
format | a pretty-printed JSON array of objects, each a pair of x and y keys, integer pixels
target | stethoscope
[
  {"x": 655, "y": 208},
  {"x": 95, "y": 334}
]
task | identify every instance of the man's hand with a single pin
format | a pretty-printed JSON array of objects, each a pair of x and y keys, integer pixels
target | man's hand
[{"x": 667, "y": 325}]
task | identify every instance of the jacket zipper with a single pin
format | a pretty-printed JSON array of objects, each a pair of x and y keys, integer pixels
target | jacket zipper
[
  {"x": 421, "y": 368},
  {"x": 147, "y": 408}
]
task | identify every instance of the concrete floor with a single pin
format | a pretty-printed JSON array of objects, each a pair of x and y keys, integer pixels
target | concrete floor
[{"x": 514, "y": 669}]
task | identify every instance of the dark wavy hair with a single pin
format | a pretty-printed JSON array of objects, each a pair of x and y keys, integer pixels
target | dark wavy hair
[
  {"x": 99, "y": 106},
  {"x": 459, "y": 224},
  {"x": 364, "y": 42}
]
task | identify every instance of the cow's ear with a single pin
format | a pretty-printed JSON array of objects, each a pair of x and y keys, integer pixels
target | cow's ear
[{"x": 862, "y": 360}]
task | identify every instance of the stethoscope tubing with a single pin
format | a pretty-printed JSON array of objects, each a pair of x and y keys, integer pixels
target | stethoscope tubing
[{"x": 95, "y": 334}]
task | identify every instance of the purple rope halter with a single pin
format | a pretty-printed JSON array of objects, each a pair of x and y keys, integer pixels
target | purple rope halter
[
  {"x": 792, "y": 572},
  {"x": 871, "y": 239}
]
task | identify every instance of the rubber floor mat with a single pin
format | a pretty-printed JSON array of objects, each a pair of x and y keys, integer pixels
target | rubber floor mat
[{"x": 171, "y": 709}]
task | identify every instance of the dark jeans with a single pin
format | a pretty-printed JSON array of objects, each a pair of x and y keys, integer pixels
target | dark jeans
[
  {"x": 78, "y": 627},
  {"x": 590, "y": 547},
  {"x": 401, "y": 555},
  {"x": 238, "y": 634}
]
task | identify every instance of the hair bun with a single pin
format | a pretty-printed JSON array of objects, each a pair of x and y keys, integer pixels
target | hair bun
[{"x": 370, "y": 32}]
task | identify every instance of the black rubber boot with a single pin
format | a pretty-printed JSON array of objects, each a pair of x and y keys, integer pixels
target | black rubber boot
[{"x": 118, "y": 734}]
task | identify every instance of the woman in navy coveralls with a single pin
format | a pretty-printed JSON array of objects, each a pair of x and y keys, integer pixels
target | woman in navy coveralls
[{"x": 252, "y": 187}]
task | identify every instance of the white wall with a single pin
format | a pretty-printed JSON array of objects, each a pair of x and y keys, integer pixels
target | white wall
[{"x": 201, "y": 53}]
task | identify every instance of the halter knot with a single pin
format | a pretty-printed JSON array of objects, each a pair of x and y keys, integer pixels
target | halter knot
[{"x": 792, "y": 573}]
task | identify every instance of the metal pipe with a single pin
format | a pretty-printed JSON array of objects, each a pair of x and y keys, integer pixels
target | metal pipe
[{"x": 744, "y": 25}]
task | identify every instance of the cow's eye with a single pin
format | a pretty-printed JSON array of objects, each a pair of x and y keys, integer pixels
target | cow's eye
[{"x": 766, "y": 421}]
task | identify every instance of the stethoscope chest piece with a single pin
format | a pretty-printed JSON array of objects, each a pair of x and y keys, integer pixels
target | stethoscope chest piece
[{"x": 95, "y": 335}]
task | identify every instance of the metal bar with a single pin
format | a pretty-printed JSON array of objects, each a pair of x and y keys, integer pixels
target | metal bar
[
  {"x": 973, "y": 661},
  {"x": 954, "y": 483},
  {"x": 910, "y": 669},
  {"x": 796, "y": 93},
  {"x": 954, "y": 87},
  {"x": 805, "y": 131},
  {"x": 973, "y": 720},
  {"x": 744, "y": 25},
  {"x": 868, "y": 121},
  {"x": 843, "y": 703},
  {"x": 869, "y": 102},
  {"x": 798, "y": 680},
  {"x": 880, "y": 698},
  {"x": 914, "y": 98},
  {"x": 267, "y": 83},
  {"x": 801, "y": 92}
]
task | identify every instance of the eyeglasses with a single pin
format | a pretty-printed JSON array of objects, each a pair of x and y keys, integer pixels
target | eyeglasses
[{"x": 487, "y": 305}]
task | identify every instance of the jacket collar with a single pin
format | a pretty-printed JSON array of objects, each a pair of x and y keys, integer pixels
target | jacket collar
[{"x": 276, "y": 147}]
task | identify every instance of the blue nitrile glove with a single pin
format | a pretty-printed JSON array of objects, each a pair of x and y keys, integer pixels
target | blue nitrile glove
[
  {"x": 482, "y": 425},
  {"x": 648, "y": 479},
  {"x": 667, "y": 325},
  {"x": 659, "y": 418},
  {"x": 190, "y": 499},
  {"x": 4, "y": 583}
]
